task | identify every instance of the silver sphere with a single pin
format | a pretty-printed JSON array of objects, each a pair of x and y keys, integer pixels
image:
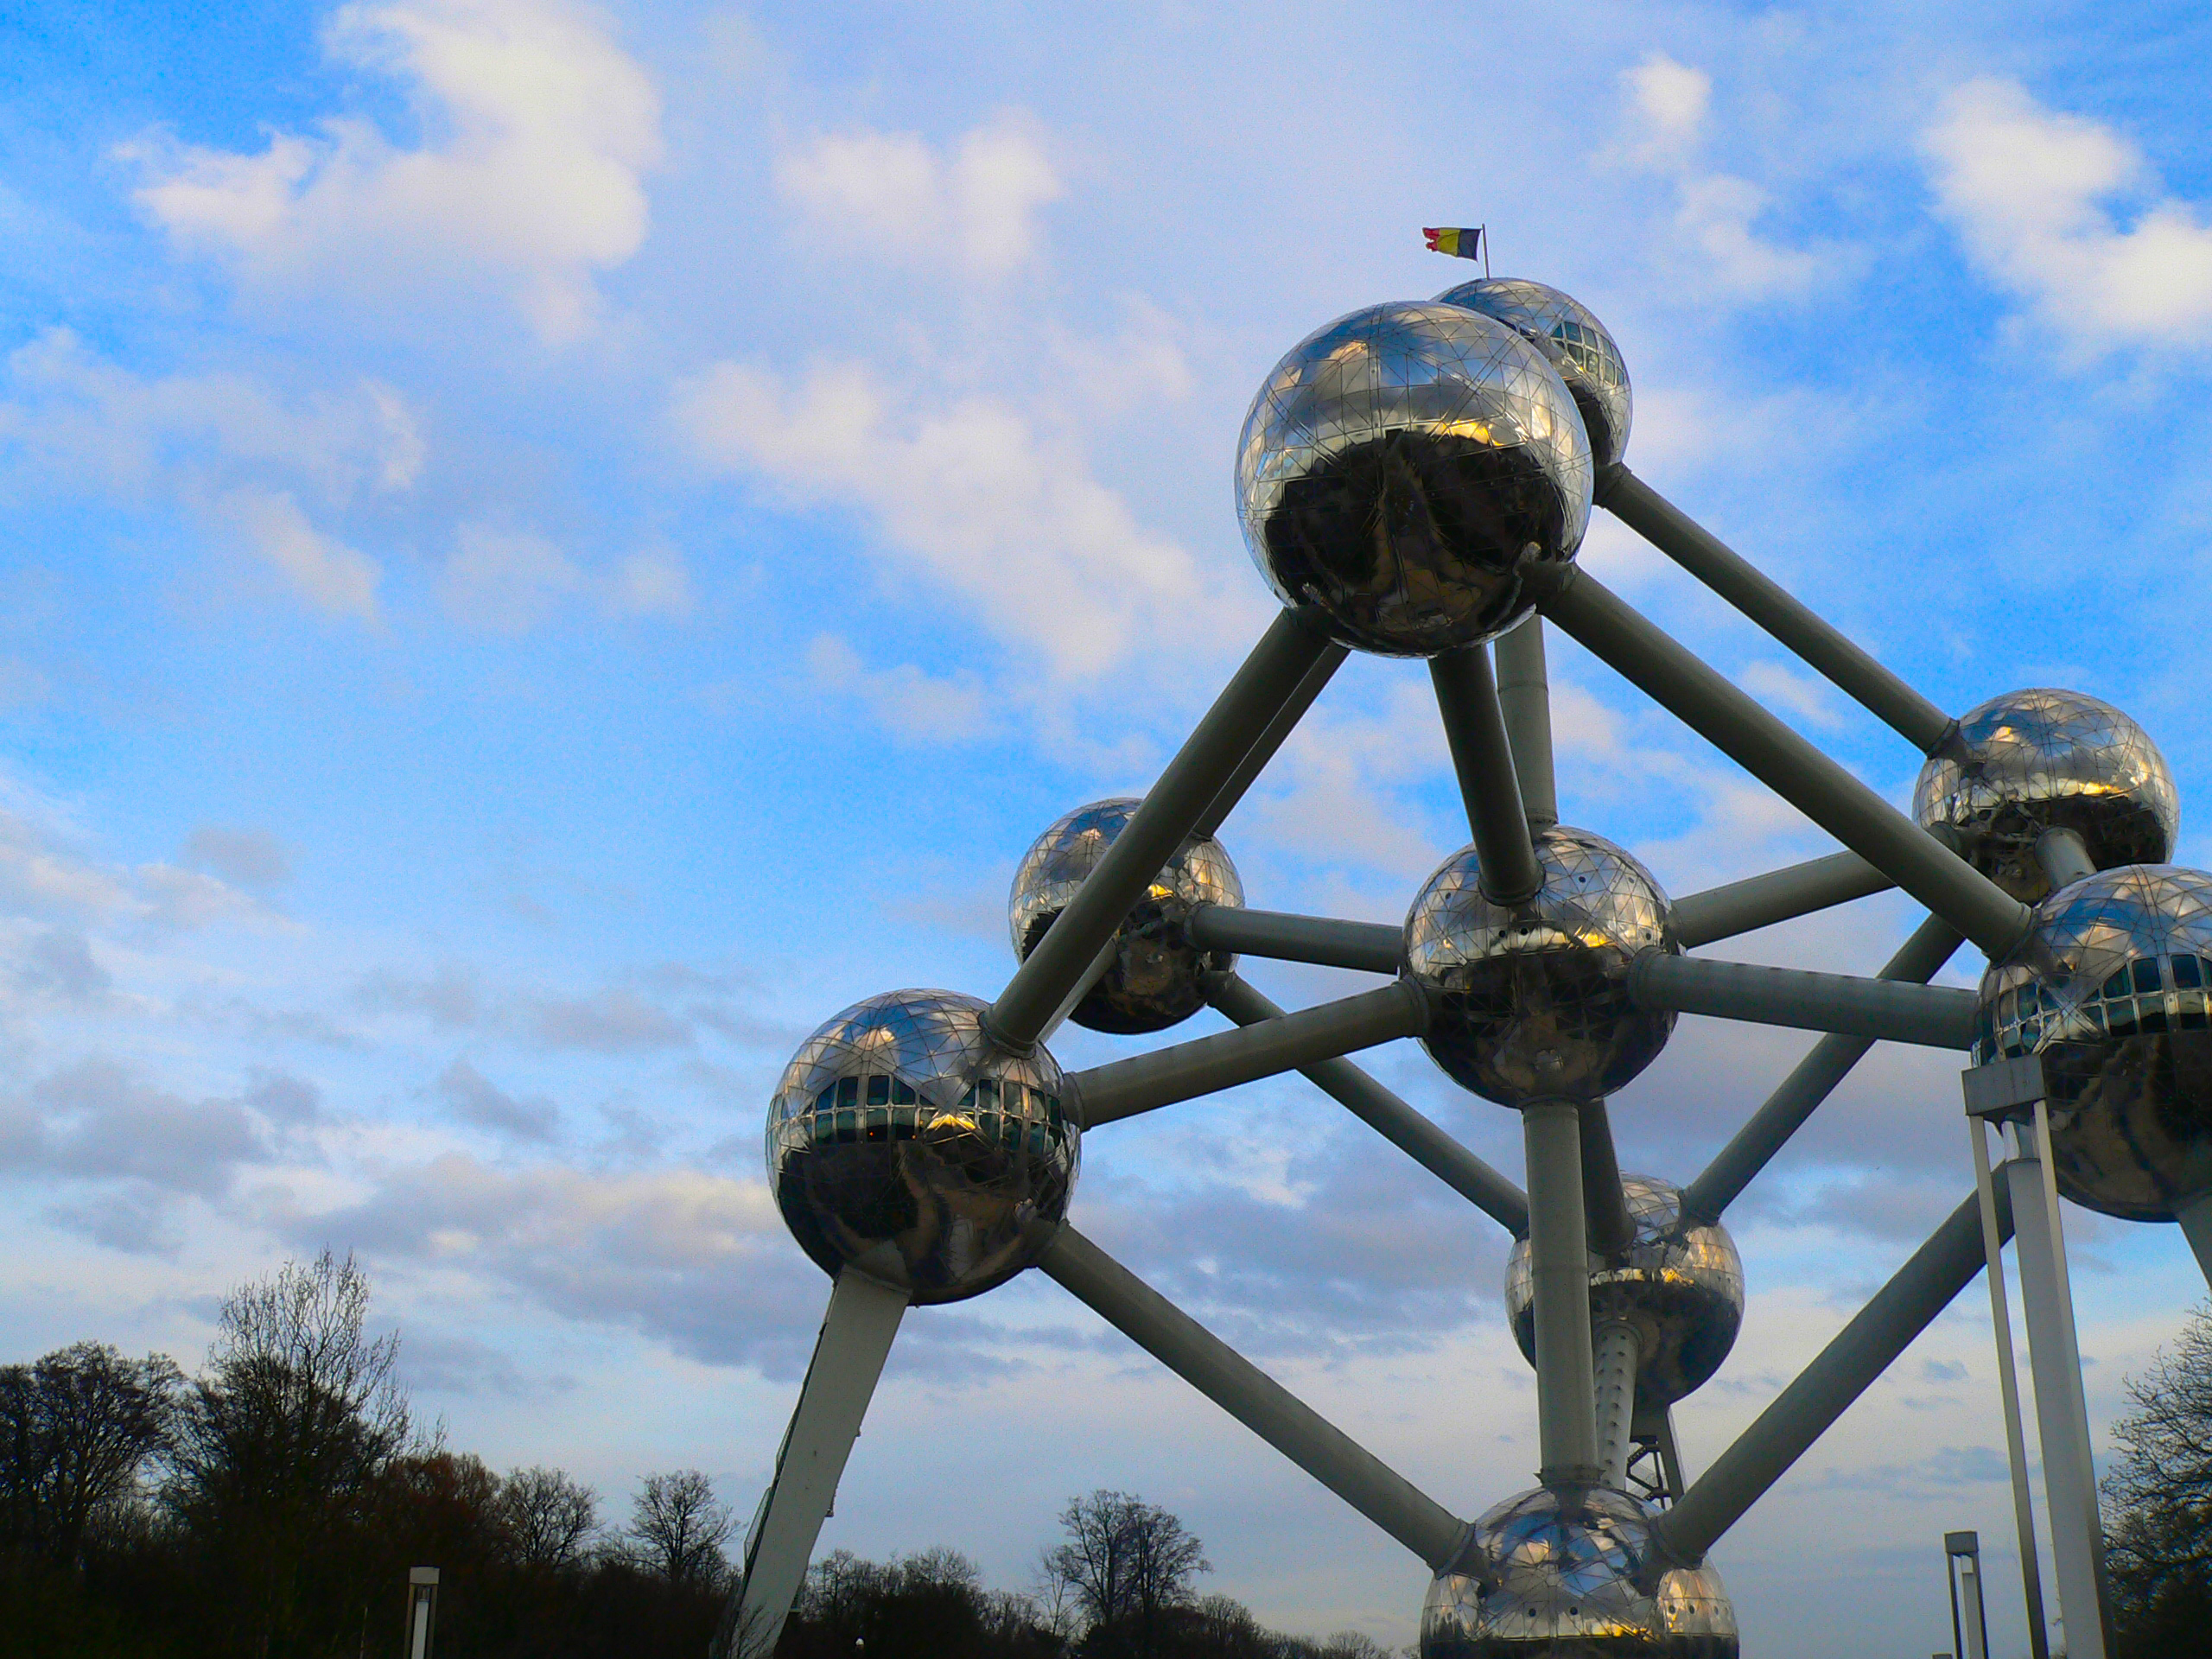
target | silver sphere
[
  {"x": 1157, "y": 978},
  {"x": 1553, "y": 1572},
  {"x": 903, "y": 1142},
  {"x": 2043, "y": 760},
  {"x": 1401, "y": 468},
  {"x": 1568, "y": 333},
  {"x": 2113, "y": 987},
  {"x": 1532, "y": 1000},
  {"x": 1680, "y": 1287}
]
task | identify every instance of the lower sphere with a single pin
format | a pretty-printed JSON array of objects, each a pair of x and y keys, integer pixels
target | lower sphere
[
  {"x": 1553, "y": 1572},
  {"x": 2112, "y": 987},
  {"x": 902, "y": 1141},
  {"x": 1532, "y": 1000},
  {"x": 1680, "y": 1288}
]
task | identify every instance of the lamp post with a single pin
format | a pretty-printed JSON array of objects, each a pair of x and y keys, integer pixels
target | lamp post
[{"x": 422, "y": 1609}]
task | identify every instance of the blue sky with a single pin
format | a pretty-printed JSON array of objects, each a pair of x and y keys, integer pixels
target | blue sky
[{"x": 543, "y": 551}]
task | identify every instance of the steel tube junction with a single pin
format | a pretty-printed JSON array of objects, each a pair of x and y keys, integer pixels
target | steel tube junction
[
  {"x": 1732, "y": 721},
  {"x": 1767, "y": 1130},
  {"x": 1121, "y": 1089},
  {"x": 1269, "y": 679},
  {"x": 1255, "y": 1399},
  {"x": 1370, "y": 947},
  {"x": 1763, "y": 900},
  {"x": 1391, "y": 1117},
  {"x": 1474, "y": 726},
  {"x": 1821, "y": 645},
  {"x": 1885, "y": 1328},
  {"x": 1932, "y": 1016}
]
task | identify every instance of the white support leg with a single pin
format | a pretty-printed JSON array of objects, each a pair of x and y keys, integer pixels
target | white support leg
[
  {"x": 2196, "y": 1219},
  {"x": 849, "y": 1357},
  {"x": 2061, "y": 1413},
  {"x": 2008, "y": 1384},
  {"x": 1617, "y": 1352}
]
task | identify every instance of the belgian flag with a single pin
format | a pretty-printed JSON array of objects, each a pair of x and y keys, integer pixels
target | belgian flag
[{"x": 1460, "y": 241}]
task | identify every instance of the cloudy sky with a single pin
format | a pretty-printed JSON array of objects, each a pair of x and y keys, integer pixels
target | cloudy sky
[{"x": 546, "y": 550}]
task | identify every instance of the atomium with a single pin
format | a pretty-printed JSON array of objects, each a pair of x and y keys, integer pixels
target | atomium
[
  {"x": 1558, "y": 1571},
  {"x": 1415, "y": 480},
  {"x": 903, "y": 1142},
  {"x": 2114, "y": 989},
  {"x": 2037, "y": 760},
  {"x": 1403, "y": 469},
  {"x": 1532, "y": 1000},
  {"x": 1679, "y": 1286},
  {"x": 1156, "y": 978},
  {"x": 1569, "y": 333}
]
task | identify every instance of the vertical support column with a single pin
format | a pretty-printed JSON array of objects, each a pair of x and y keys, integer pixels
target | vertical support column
[
  {"x": 1617, "y": 1353},
  {"x": 2061, "y": 1413},
  {"x": 1524, "y": 693},
  {"x": 1559, "y": 1261},
  {"x": 2008, "y": 1383}
]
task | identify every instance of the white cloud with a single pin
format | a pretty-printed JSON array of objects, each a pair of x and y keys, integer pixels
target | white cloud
[
  {"x": 2031, "y": 191},
  {"x": 654, "y": 582},
  {"x": 1715, "y": 213},
  {"x": 972, "y": 494},
  {"x": 337, "y": 579},
  {"x": 902, "y": 698},
  {"x": 544, "y": 126},
  {"x": 972, "y": 207},
  {"x": 505, "y": 581}
]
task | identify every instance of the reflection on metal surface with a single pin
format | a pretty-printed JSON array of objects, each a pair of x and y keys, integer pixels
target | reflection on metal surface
[
  {"x": 2043, "y": 760},
  {"x": 1568, "y": 333},
  {"x": 1554, "y": 1571},
  {"x": 1680, "y": 1288},
  {"x": 1400, "y": 469},
  {"x": 1533, "y": 999},
  {"x": 901, "y": 1140},
  {"x": 1155, "y": 980},
  {"x": 2113, "y": 989}
]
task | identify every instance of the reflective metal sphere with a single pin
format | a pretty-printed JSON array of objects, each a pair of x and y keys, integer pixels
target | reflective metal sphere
[
  {"x": 2113, "y": 987},
  {"x": 1533, "y": 1000},
  {"x": 1552, "y": 1572},
  {"x": 1680, "y": 1288},
  {"x": 1567, "y": 332},
  {"x": 1402, "y": 466},
  {"x": 903, "y": 1142},
  {"x": 2043, "y": 760},
  {"x": 1156, "y": 978}
]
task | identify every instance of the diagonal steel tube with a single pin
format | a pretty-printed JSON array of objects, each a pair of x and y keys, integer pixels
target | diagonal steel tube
[
  {"x": 1778, "y": 896},
  {"x": 1482, "y": 756},
  {"x": 1280, "y": 729},
  {"x": 1255, "y": 1399},
  {"x": 1524, "y": 693},
  {"x": 1605, "y": 1200},
  {"x": 1270, "y": 677},
  {"x": 1391, "y": 1117},
  {"x": 1824, "y": 792},
  {"x": 1821, "y": 645},
  {"x": 1371, "y": 947},
  {"x": 1105, "y": 1094},
  {"x": 1828, "y": 1062},
  {"x": 1932, "y": 1016},
  {"x": 1885, "y": 1328}
]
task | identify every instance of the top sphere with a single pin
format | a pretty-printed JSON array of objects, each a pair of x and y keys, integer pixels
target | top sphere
[
  {"x": 1568, "y": 333},
  {"x": 1401, "y": 468},
  {"x": 903, "y": 1142},
  {"x": 1157, "y": 976},
  {"x": 1532, "y": 1000},
  {"x": 2112, "y": 987},
  {"x": 2043, "y": 760},
  {"x": 1555, "y": 1571}
]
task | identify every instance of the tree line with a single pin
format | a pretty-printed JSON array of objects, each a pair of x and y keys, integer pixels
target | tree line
[{"x": 271, "y": 1507}]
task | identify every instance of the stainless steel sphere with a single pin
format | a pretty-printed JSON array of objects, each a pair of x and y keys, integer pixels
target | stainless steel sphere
[
  {"x": 2043, "y": 760},
  {"x": 1401, "y": 468},
  {"x": 903, "y": 1142},
  {"x": 2113, "y": 987},
  {"x": 1157, "y": 976},
  {"x": 1532, "y": 999},
  {"x": 1566, "y": 331},
  {"x": 1553, "y": 1572},
  {"x": 1680, "y": 1287}
]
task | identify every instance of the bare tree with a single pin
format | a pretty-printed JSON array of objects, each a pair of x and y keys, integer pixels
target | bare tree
[
  {"x": 2158, "y": 1499},
  {"x": 547, "y": 1517},
  {"x": 1126, "y": 1562},
  {"x": 77, "y": 1429},
  {"x": 678, "y": 1528}
]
